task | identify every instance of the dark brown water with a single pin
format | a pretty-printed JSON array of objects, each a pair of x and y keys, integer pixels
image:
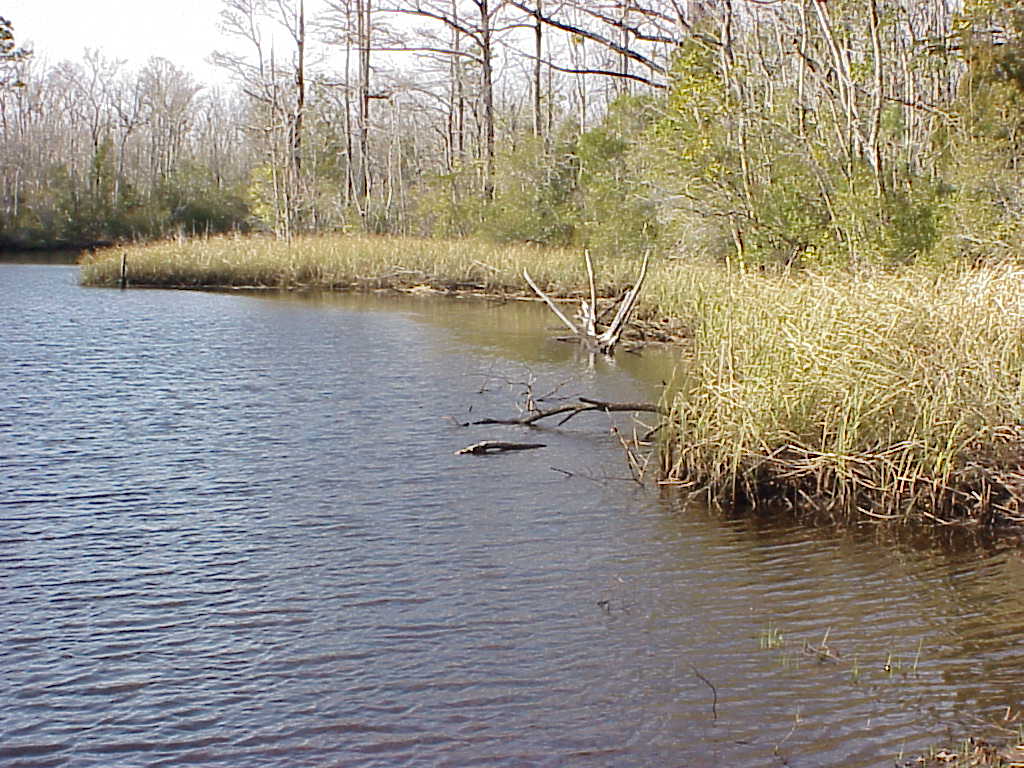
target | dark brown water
[{"x": 233, "y": 533}]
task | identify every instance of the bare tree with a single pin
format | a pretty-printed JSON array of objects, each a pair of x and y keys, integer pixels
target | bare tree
[
  {"x": 278, "y": 94},
  {"x": 467, "y": 36}
]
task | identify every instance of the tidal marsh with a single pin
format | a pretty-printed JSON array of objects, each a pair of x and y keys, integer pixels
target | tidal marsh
[
  {"x": 874, "y": 395},
  {"x": 352, "y": 262}
]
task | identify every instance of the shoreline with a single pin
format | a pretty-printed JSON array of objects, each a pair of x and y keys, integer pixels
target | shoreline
[
  {"x": 879, "y": 397},
  {"x": 640, "y": 330}
]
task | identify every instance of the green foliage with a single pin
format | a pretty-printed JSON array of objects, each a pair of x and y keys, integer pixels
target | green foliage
[
  {"x": 982, "y": 210},
  {"x": 983, "y": 205},
  {"x": 894, "y": 226},
  {"x": 446, "y": 206},
  {"x": 586, "y": 190},
  {"x": 909, "y": 225},
  {"x": 533, "y": 196},
  {"x": 694, "y": 164},
  {"x": 756, "y": 153},
  {"x": 101, "y": 207},
  {"x": 792, "y": 219},
  {"x": 615, "y": 212},
  {"x": 989, "y": 33},
  {"x": 197, "y": 203},
  {"x": 775, "y": 182}
]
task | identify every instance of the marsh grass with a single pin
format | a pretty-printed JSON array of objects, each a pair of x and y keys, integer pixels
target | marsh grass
[
  {"x": 893, "y": 396},
  {"x": 771, "y": 637},
  {"x": 971, "y": 752},
  {"x": 354, "y": 262}
]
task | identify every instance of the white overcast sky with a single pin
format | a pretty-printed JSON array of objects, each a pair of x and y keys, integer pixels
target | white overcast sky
[{"x": 183, "y": 31}]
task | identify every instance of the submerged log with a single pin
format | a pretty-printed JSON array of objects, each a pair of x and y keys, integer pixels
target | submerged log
[
  {"x": 495, "y": 446},
  {"x": 586, "y": 331}
]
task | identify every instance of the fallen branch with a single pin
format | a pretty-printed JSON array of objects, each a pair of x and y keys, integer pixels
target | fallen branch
[
  {"x": 574, "y": 409},
  {"x": 714, "y": 691},
  {"x": 495, "y": 446}
]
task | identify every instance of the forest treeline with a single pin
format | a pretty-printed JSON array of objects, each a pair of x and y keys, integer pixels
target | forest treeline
[{"x": 765, "y": 131}]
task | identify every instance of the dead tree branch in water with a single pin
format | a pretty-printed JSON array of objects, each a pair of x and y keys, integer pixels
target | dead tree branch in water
[
  {"x": 714, "y": 691},
  {"x": 495, "y": 446},
  {"x": 573, "y": 409},
  {"x": 586, "y": 332}
]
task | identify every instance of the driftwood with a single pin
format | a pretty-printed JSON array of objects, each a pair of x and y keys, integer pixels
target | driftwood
[
  {"x": 574, "y": 409},
  {"x": 494, "y": 446},
  {"x": 586, "y": 331},
  {"x": 637, "y": 464}
]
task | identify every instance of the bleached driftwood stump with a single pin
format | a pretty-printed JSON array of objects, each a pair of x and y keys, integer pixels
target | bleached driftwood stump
[{"x": 586, "y": 331}]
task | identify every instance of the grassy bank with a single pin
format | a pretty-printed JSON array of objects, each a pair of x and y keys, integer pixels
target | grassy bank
[
  {"x": 889, "y": 395},
  {"x": 356, "y": 262},
  {"x": 895, "y": 396},
  {"x": 368, "y": 263}
]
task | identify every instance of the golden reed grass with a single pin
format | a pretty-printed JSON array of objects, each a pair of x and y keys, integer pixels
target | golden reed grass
[
  {"x": 350, "y": 262},
  {"x": 888, "y": 395}
]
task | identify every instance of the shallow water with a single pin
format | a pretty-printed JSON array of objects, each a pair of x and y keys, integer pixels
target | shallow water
[{"x": 233, "y": 532}]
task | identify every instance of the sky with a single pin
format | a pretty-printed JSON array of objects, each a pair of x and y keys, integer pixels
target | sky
[{"x": 183, "y": 31}]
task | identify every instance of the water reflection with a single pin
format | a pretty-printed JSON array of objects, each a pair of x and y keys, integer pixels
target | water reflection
[
  {"x": 233, "y": 532},
  {"x": 524, "y": 331}
]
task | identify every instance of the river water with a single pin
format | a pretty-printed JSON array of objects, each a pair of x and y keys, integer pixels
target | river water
[{"x": 233, "y": 532}]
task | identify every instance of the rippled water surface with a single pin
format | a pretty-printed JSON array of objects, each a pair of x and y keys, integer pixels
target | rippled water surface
[{"x": 233, "y": 533}]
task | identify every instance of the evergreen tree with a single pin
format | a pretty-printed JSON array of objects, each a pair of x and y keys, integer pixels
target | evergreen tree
[{"x": 10, "y": 54}]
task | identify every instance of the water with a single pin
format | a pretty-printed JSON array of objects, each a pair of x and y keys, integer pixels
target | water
[{"x": 233, "y": 532}]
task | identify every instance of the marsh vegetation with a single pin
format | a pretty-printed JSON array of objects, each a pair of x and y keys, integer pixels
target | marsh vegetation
[{"x": 893, "y": 395}]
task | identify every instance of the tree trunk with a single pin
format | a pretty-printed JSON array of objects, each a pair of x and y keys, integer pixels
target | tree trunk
[
  {"x": 363, "y": 120},
  {"x": 538, "y": 50},
  {"x": 487, "y": 95}
]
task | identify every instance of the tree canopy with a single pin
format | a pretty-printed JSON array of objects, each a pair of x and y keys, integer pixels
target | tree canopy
[
  {"x": 798, "y": 132},
  {"x": 9, "y": 54}
]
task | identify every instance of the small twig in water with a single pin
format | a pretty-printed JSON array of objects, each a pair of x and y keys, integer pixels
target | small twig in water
[
  {"x": 714, "y": 692},
  {"x": 778, "y": 747}
]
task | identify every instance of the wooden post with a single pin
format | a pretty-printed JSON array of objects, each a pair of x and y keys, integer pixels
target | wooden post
[{"x": 124, "y": 271}]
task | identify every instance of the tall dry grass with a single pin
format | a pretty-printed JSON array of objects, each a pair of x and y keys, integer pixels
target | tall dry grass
[
  {"x": 895, "y": 395},
  {"x": 352, "y": 262}
]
